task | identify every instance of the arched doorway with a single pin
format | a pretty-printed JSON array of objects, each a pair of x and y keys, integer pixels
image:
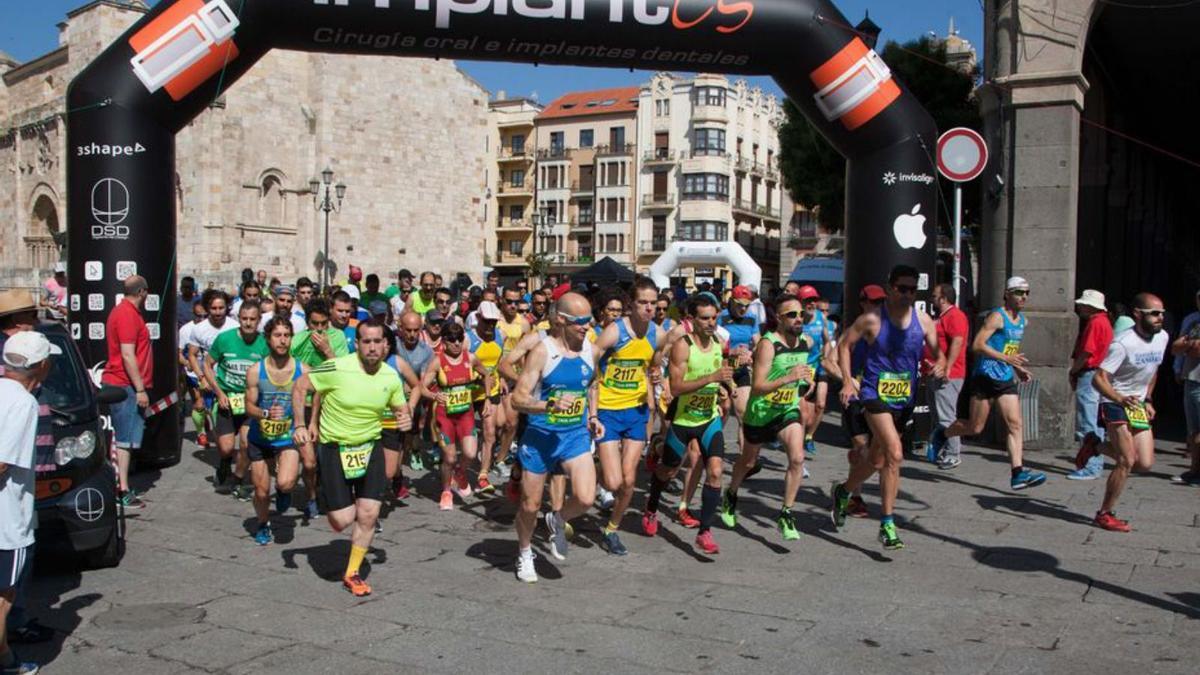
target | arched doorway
[{"x": 43, "y": 242}]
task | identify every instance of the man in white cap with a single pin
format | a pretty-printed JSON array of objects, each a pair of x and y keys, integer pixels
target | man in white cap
[
  {"x": 999, "y": 366},
  {"x": 1186, "y": 349},
  {"x": 1095, "y": 334},
  {"x": 26, "y": 365}
]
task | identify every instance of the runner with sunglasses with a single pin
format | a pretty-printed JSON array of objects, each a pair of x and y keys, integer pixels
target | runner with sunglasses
[
  {"x": 780, "y": 375},
  {"x": 999, "y": 367},
  {"x": 486, "y": 342},
  {"x": 894, "y": 337},
  {"x": 513, "y": 326},
  {"x": 450, "y": 378}
]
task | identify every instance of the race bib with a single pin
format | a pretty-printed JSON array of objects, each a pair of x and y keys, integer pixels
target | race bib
[
  {"x": 701, "y": 404},
  {"x": 275, "y": 429},
  {"x": 624, "y": 374},
  {"x": 458, "y": 400},
  {"x": 1136, "y": 414},
  {"x": 354, "y": 459},
  {"x": 784, "y": 396},
  {"x": 237, "y": 403},
  {"x": 1012, "y": 348},
  {"x": 895, "y": 388},
  {"x": 570, "y": 417}
]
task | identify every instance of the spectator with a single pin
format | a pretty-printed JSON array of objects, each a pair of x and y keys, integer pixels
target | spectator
[
  {"x": 130, "y": 367},
  {"x": 1095, "y": 335},
  {"x": 18, "y": 312},
  {"x": 26, "y": 365},
  {"x": 56, "y": 291},
  {"x": 185, "y": 301},
  {"x": 371, "y": 294},
  {"x": 953, "y": 333},
  {"x": 404, "y": 282},
  {"x": 261, "y": 278},
  {"x": 1187, "y": 370},
  {"x": 756, "y": 308},
  {"x": 304, "y": 293}
]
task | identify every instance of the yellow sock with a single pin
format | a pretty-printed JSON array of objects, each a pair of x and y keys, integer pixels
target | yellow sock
[
  {"x": 357, "y": 553},
  {"x": 610, "y": 528}
]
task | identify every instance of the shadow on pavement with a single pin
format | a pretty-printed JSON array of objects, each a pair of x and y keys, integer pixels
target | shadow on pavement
[
  {"x": 328, "y": 561},
  {"x": 50, "y": 582},
  {"x": 501, "y": 554},
  {"x": 1028, "y": 508}
]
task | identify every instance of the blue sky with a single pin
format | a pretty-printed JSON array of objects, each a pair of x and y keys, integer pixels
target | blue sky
[{"x": 27, "y": 30}]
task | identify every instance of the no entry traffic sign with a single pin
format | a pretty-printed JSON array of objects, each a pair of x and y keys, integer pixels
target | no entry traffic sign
[{"x": 961, "y": 154}]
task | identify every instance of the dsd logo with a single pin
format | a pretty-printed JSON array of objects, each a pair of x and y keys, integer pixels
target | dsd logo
[{"x": 110, "y": 208}]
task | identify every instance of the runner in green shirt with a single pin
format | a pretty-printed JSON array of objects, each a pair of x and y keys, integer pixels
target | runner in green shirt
[
  {"x": 321, "y": 341},
  {"x": 354, "y": 391},
  {"x": 780, "y": 377},
  {"x": 232, "y": 354}
]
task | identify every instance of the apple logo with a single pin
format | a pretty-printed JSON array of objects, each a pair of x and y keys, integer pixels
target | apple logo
[{"x": 910, "y": 229}]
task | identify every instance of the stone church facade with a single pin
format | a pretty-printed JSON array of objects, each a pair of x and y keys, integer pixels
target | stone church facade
[{"x": 407, "y": 136}]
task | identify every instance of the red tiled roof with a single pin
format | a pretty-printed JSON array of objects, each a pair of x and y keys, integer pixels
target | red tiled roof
[{"x": 595, "y": 102}]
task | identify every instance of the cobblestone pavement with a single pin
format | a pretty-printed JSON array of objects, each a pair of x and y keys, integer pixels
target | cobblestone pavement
[{"x": 991, "y": 581}]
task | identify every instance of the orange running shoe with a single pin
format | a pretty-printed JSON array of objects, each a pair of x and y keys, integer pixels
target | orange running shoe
[
  {"x": 704, "y": 542},
  {"x": 446, "y": 503},
  {"x": 356, "y": 585},
  {"x": 686, "y": 519},
  {"x": 1109, "y": 521},
  {"x": 485, "y": 486}
]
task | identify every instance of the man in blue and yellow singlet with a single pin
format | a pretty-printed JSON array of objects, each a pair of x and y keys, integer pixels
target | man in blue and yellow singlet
[
  {"x": 626, "y": 359},
  {"x": 1000, "y": 365}
]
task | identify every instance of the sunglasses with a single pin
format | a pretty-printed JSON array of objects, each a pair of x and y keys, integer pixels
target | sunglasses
[
  {"x": 452, "y": 340},
  {"x": 794, "y": 314},
  {"x": 742, "y": 303},
  {"x": 1020, "y": 293},
  {"x": 577, "y": 320},
  {"x": 904, "y": 288},
  {"x": 1152, "y": 312}
]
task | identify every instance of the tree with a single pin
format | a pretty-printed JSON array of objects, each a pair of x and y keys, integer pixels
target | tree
[{"x": 815, "y": 173}]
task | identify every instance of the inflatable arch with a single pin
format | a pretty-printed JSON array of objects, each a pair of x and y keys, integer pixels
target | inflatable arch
[
  {"x": 127, "y": 105},
  {"x": 682, "y": 253}
]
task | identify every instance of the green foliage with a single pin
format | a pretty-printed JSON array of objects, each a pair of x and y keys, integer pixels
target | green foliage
[{"x": 815, "y": 173}]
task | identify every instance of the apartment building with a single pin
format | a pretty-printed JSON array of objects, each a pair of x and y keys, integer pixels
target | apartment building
[
  {"x": 510, "y": 208},
  {"x": 708, "y": 152},
  {"x": 585, "y": 169}
]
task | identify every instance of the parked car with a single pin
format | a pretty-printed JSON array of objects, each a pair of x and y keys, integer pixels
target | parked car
[{"x": 77, "y": 510}]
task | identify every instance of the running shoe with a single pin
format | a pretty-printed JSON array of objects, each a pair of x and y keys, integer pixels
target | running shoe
[
  {"x": 243, "y": 493},
  {"x": 889, "y": 537},
  {"x": 949, "y": 462},
  {"x": 728, "y": 510},
  {"x": 446, "y": 503},
  {"x": 19, "y": 667},
  {"x": 804, "y": 472},
  {"x": 502, "y": 470},
  {"x": 1027, "y": 479},
  {"x": 311, "y": 511},
  {"x": 512, "y": 490},
  {"x": 485, "y": 488},
  {"x": 557, "y": 531},
  {"x": 283, "y": 501},
  {"x": 415, "y": 462},
  {"x": 1186, "y": 478},
  {"x": 202, "y": 440},
  {"x": 841, "y": 503},
  {"x": 787, "y": 525},
  {"x": 378, "y": 526},
  {"x": 1109, "y": 521},
  {"x": 1090, "y": 471},
  {"x": 937, "y": 441},
  {"x": 130, "y": 499},
  {"x": 356, "y": 586},
  {"x": 460, "y": 485},
  {"x": 758, "y": 466},
  {"x": 704, "y": 542},
  {"x": 857, "y": 508},
  {"x": 810, "y": 448},
  {"x": 525, "y": 568},
  {"x": 402, "y": 492},
  {"x": 686, "y": 519},
  {"x": 1087, "y": 450},
  {"x": 604, "y": 498},
  {"x": 263, "y": 536},
  {"x": 649, "y": 524},
  {"x": 612, "y": 543}
]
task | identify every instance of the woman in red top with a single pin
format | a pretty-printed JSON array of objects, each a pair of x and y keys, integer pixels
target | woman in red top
[{"x": 450, "y": 376}]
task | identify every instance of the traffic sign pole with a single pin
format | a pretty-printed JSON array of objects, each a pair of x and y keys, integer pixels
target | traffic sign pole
[
  {"x": 957, "y": 240},
  {"x": 961, "y": 156}
]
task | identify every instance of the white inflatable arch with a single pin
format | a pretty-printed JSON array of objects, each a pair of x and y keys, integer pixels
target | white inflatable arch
[{"x": 730, "y": 253}]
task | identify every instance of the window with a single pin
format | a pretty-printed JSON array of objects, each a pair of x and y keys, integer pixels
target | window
[
  {"x": 703, "y": 230},
  {"x": 517, "y": 177},
  {"x": 585, "y": 213},
  {"x": 585, "y": 138},
  {"x": 659, "y": 236},
  {"x": 706, "y": 186},
  {"x": 518, "y": 143},
  {"x": 556, "y": 142},
  {"x": 616, "y": 137},
  {"x": 662, "y": 107},
  {"x": 516, "y": 211},
  {"x": 710, "y": 96},
  {"x": 709, "y": 142},
  {"x": 515, "y": 246}
]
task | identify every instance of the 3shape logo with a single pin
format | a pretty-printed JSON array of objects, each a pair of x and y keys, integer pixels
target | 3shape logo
[
  {"x": 909, "y": 229},
  {"x": 889, "y": 178}
]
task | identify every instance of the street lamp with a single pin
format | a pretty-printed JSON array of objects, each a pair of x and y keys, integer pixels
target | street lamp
[{"x": 325, "y": 202}]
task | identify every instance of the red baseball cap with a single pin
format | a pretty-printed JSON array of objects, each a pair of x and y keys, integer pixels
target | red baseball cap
[
  {"x": 355, "y": 273},
  {"x": 808, "y": 293},
  {"x": 742, "y": 293},
  {"x": 872, "y": 292},
  {"x": 559, "y": 291}
]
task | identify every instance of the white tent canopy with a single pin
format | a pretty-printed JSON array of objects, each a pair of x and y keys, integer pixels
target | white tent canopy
[{"x": 683, "y": 253}]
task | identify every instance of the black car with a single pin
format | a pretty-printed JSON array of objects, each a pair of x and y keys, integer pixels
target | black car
[{"x": 77, "y": 510}]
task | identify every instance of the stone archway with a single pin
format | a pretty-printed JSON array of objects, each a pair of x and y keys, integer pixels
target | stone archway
[{"x": 45, "y": 237}]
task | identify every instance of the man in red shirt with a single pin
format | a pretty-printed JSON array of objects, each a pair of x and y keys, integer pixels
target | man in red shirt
[
  {"x": 129, "y": 366},
  {"x": 953, "y": 329},
  {"x": 1095, "y": 334}
]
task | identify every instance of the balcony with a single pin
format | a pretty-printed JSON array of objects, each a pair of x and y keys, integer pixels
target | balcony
[
  {"x": 653, "y": 246},
  {"x": 554, "y": 154},
  {"x": 508, "y": 154},
  {"x": 582, "y": 189},
  {"x": 614, "y": 150},
  {"x": 702, "y": 153},
  {"x": 658, "y": 202},
  {"x": 757, "y": 210},
  {"x": 507, "y": 259},
  {"x": 515, "y": 123},
  {"x": 743, "y": 164},
  {"x": 511, "y": 190},
  {"x": 660, "y": 158},
  {"x": 709, "y": 113},
  {"x": 513, "y": 225},
  {"x": 581, "y": 225}
]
